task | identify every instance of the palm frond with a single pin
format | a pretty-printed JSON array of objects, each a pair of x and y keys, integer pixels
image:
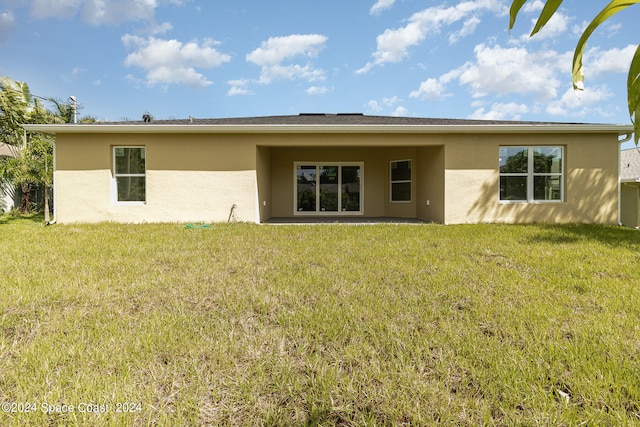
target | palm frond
[
  {"x": 609, "y": 10},
  {"x": 577, "y": 74},
  {"x": 513, "y": 12},
  {"x": 633, "y": 93},
  {"x": 548, "y": 11}
]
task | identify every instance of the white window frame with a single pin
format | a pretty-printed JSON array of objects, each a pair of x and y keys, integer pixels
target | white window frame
[
  {"x": 530, "y": 174},
  {"x": 401, "y": 181},
  {"x": 318, "y": 166},
  {"x": 115, "y": 176}
]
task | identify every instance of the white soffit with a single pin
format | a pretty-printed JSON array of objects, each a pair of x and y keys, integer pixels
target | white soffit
[{"x": 55, "y": 129}]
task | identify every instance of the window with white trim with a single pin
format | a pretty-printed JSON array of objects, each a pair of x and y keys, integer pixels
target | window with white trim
[
  {"x": 531, "y": 174},
  {"x": 400, "y": 181},
  {"x": 129, "y": 172}
]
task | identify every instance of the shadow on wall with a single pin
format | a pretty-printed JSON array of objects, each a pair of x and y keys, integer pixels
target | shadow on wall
[
  {"x": 484, "y": 207},
  {"x": 590, "y": 197}
]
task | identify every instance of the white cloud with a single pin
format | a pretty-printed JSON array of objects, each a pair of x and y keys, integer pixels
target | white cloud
[
  {"x": 468, "y": 28},
  {"x": 238, "y": 87},
  {"x": 557, "y": 25},
  {"x": 429, "y": 89},
  {"x": 7, "y": 25},
  {"x": 41, "y": 9},
  {"x": 533, "y": 6},
  {"x": 278, "y": 49},
  {"x": 451, "y": 75},
  {"x": 374, "y": 106},
  {"x": 177, "y": 74},
  {"x": 171, "y": 61},
  {"x": 272, "y": 53},
  {"x": 393, "y": 45},
  {"x": 317, "y": 90},
  {"x": 400, "y": 112},
  {"x": 612, "y": 29},
  {"x": 597, "y": 62},
  {"x": 578, "y": 103},
  {"x": 381, "y": 5},
  {"x": 390, "y": 102},
  {"x": 513, "y": 71},
  {"x": 608, "y": 29},
  {"x": 115, "y": 12},
  {"x": 387, "y": 103},
  {"x": 163, "y": 28},
  {"x": 498, "y": 111},
  {"x": 290, "y": 72},
  {"x": 498, "y": 72},
  {"x": 76, "y": 72},
  {"x": 96, "y": 12}
]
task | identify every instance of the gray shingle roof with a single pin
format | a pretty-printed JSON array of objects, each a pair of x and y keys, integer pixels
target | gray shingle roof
[
  {"x": 329, "y": 119},
  {"x": 630, "y": 164}
]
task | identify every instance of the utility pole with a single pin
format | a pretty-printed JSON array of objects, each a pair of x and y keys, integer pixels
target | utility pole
[{"x": 74, "y": 108}]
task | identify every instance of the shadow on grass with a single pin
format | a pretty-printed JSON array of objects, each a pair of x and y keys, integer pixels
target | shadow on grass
[
  {"x": 10, "y": 218},
  {"x": 576, "y": 233}
]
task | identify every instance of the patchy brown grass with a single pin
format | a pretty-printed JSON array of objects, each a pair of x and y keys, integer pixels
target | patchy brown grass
[{"x": 320, "y": 325}]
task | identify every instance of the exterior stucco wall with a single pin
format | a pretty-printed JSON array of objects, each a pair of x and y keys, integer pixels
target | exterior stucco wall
[
  {"x": 198, "y": 177},
  {"x": 400, "y": 209},
  {"x": 591, "y": 180},
  {"x": 630, "y": 204},
  {"x": 282, "y": 167},
  {"x": 430, "y": 184},
  {"x": 188, "y": 178},
  {"x": 263, "y": 164},
  {"x": 375, "y": 177}
]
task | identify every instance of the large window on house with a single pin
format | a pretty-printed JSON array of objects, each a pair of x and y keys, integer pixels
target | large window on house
[
  {"x": 400, "y": 177},
  {"x": 328, "y": 188},
  {"x": 129, "y": 172},
  {"x": 531, "y": 174}
]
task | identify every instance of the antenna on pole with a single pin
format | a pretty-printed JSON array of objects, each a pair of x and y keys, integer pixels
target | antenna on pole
[{"x": 74, "y": 108}]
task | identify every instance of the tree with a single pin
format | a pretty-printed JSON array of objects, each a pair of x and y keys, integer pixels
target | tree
[
  {"x": 15, "y": 110},
  {"x": 615, "y": 6},
  {"x": 32, "y": 166},
  {"x": 65, "y": 112}
]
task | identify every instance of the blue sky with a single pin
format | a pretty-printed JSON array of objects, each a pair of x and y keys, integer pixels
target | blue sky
[{"x": 424, "y": 58}]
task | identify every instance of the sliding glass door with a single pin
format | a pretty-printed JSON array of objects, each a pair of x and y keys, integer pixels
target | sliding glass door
[
  {"x": 328, "y": 188},
  {"x": 306, "y": 188}
]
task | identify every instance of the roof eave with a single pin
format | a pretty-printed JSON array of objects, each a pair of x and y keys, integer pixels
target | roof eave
[{"x": 195, "y": 128}]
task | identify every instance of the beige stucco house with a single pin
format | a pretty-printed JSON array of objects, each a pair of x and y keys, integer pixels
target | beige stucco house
[
  {"x": 319, "y": 166},
  {"x": 630, "y": 187}
]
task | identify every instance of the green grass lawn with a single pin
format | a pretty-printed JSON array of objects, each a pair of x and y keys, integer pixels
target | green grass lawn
[{"x": 319, "y": 325}]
